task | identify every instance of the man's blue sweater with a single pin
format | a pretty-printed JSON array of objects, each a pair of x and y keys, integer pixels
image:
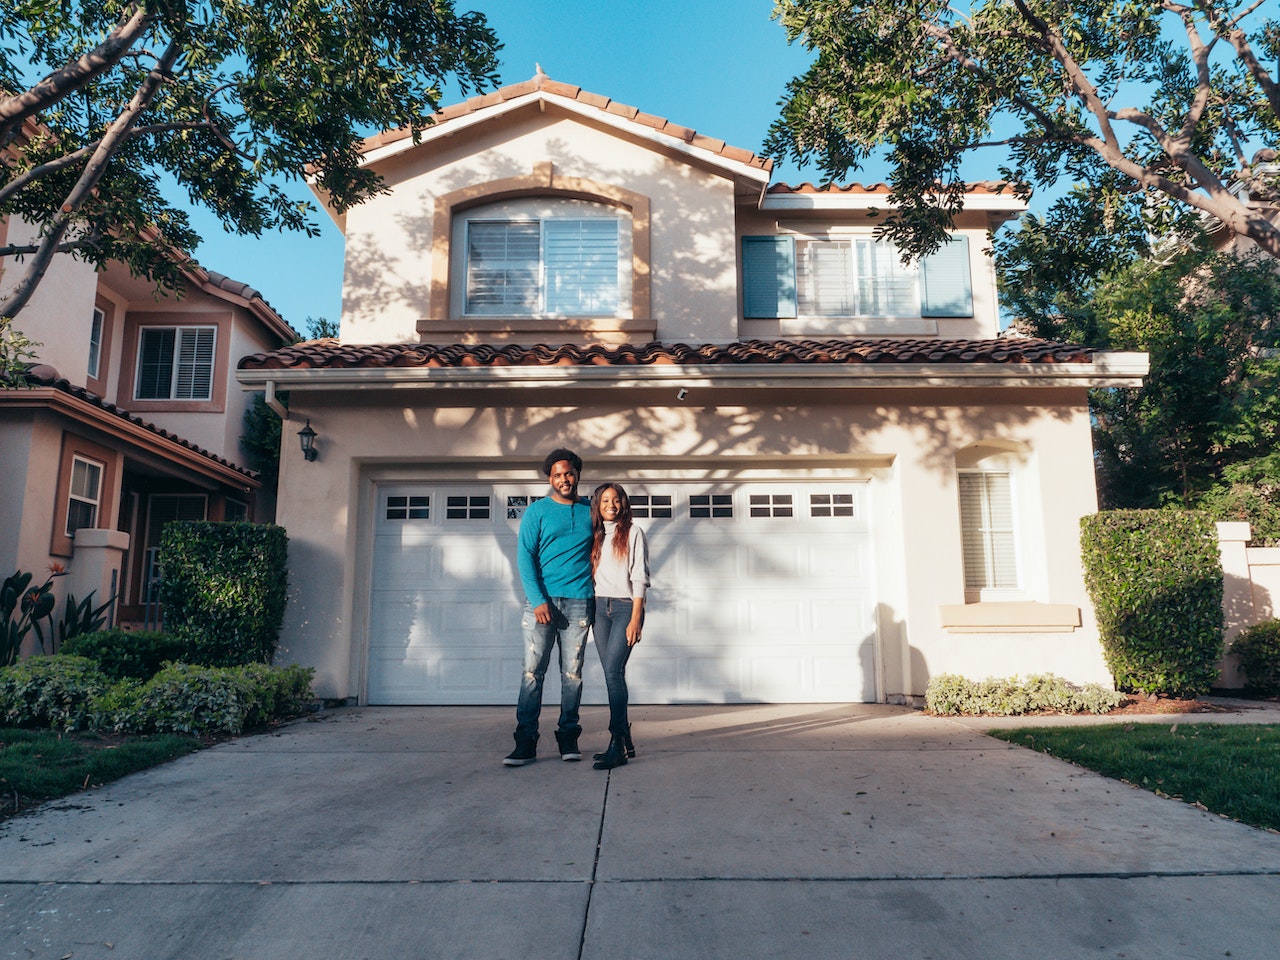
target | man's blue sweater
[{"x": 554, "y": 554}]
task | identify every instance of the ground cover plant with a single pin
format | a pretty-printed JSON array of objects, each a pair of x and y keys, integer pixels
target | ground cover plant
[
  {"x": 1228, "y": 769},
  {"x": 40, "y": 765}
]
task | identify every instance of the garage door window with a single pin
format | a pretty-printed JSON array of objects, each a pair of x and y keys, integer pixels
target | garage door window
[
  {"x": 711, "y": 506},
  {"x": 657, "y": 506},
  {"x": 467, "y": 508},
  {"x": 772, "y": 505},
  {"x": 831, "y": 504},
  {"x": 408, "y": 508}
]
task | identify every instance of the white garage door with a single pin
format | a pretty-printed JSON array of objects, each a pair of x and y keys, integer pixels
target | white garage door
[{"x": 762, "y": 592}]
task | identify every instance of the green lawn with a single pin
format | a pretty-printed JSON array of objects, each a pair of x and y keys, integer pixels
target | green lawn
[
  {"x": 37, "y": 765},
  {"x": 1229, "y": 769}
]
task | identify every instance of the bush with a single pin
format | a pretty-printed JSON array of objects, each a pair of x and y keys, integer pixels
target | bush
[
  {"x": 1258, "y": 651},
  {"x": 120, "y": 709},
  {"x": 122, "y": 654},
  {"x": 205, "y": 701},
  {"x": 1155, "y": 579},
  {"x": 224, "y": 589},
  {"x": 949, "y": 694},
  {"x": 53, "y": 691}
]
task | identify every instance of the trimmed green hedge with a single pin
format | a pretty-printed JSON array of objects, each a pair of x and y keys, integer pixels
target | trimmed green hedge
[
  {"x": 224, "y": 589},
  {"x": 1258, "y": 650},
  {"x": 71, "y": 693},
  {"x": 1155, "y": 579},
  {"x": 128, "y": 653},
  {"x": 950, "y": 694}
]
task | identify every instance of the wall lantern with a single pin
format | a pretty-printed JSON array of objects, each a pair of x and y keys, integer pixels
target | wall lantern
[{"x": 307, "y": 437}]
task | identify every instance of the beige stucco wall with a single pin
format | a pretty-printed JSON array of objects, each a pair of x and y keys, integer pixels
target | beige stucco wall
[
  {"x": 906, "y": 451},
  {"x": 386, "y": 285}
]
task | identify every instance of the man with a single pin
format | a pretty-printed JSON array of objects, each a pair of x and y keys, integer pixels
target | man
[{"x": 554, "y": 557}]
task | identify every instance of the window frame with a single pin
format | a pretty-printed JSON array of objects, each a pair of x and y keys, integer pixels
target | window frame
[
  {"x": 615, "y": 292},
  {"x": 987, "y": 531},
  {"x": 74, "y": 498},
  {"x": 97, "y": 331},
  {"x": 180, "y": 332},
  {"x": 75, "y": 447}
]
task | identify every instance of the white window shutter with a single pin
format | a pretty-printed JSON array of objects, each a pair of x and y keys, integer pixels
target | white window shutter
[{"x": 987, "y": 529}]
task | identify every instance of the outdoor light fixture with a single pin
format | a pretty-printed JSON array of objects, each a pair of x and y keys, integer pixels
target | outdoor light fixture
[{"x": 307, "y": 437}]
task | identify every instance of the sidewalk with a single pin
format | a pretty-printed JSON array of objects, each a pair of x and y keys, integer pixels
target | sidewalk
[{"x": 806, "y": 831}]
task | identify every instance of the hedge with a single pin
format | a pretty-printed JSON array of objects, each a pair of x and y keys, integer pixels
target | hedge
[
  {"x": 224, "y": 589},
  {"x": 1257, "y": 649},
  {"x": 1155, "y": 579}
]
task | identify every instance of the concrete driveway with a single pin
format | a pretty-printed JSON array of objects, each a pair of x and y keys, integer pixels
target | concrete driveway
[{"x": 811, "y": 831}]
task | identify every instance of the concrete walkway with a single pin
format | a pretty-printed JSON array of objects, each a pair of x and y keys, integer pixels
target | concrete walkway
[{"x": 811, "y": 831}]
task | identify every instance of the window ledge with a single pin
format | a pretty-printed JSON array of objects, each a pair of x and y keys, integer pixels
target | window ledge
[
  {"x": 507, "y": 328},
  {"x": 857, "y": 326},
  {"x": 1017, "y": 617}
]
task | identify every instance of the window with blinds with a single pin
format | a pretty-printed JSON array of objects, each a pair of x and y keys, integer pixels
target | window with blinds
[
  {"x": 986, "y": 524},
  {"x": 854, "y": 278},
  {"x": 175, "y": 363},
  {"x": 563, "y": 267}
]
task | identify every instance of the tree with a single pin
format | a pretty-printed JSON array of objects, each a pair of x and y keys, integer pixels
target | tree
[
  {"x": 16, "y": 354},
  {"x": 110, "y": 100},
  {"x": 1208, "y": 416},
  {"x": 1151, "y": 104}
]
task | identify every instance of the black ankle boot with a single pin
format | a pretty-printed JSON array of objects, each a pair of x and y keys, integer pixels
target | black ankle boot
[
  {"x": 626, "y": 742},
  {"x": 615, "y": 756}
]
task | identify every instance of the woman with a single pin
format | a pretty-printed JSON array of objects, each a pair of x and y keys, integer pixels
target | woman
[{"x": 620, "y": 561}]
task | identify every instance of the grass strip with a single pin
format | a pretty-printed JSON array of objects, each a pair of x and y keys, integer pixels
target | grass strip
[
  {"x": 1229, "y": 769},
  {"x": 39, "y": 765}
]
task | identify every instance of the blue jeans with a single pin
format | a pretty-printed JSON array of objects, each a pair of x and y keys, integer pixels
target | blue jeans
[
  {"x": 570, "y": 618},
  {"x": 612, "y": 616}
]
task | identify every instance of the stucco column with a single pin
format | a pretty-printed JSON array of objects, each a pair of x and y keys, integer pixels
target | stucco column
[
  {"x": 96, "y": 566},
  {"x": 1237, "y": 592}
]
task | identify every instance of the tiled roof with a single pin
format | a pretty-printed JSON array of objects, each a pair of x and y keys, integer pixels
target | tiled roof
[
  {"x": 544, "y": 84},
  {"x": 852, "y": 189},
  {"x": 332, "y": 354},
  {"x": 45, "y": 376}
]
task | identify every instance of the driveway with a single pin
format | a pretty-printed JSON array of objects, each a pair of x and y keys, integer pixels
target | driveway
[{"x": 809, "y": 831}]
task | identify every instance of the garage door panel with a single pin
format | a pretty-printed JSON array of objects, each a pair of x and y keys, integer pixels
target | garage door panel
[{"x": 765, "y": 601}]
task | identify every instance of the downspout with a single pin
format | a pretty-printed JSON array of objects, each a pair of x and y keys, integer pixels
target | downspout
[{"x": 274, "y": 402}]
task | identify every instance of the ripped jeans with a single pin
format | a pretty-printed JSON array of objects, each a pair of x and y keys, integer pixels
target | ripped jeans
[{"x": 570, "y": 620}]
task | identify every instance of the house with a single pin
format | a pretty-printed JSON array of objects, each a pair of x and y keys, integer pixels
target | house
[
  {"x": 850, "y": 481},
  {"x": 133, "y": 418}
]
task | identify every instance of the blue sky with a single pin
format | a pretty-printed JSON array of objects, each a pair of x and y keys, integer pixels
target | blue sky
[{"x": 718, "y": 66}]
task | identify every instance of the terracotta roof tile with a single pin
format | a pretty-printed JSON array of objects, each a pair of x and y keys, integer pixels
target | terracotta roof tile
[
  {"x": 981, "y": 186},
  {"x": 541, "y": 82},
  {"x": 45, "y": 376},
  {"x": 332, "y": 354}
]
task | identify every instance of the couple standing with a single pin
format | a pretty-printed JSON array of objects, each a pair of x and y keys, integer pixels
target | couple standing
[{"x": 581, "y": 567}]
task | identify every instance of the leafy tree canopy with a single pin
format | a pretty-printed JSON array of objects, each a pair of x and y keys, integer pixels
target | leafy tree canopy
[
  {"x": 1155, "y": 104},
  {"x": 102, "y": 102}
]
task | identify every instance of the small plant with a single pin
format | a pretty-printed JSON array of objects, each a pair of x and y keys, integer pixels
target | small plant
[
  {"x": 21, "y": 608},
  {"x": 1257, "y": 649},
  {"x": 949, "y": 694}
]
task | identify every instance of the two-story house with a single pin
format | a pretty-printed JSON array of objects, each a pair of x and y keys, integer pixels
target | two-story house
[
  {"x": 133, "y": 418},
  {"x": 849, "y": 481}
]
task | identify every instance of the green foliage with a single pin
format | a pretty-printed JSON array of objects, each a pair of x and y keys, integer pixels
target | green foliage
[
  {"x": 1147, "y": 101},
  {"x": 21, "y": 608},
  {"x": 52, "y": 691},
  {"x": 77, "y": 617},
  {"x": 1229, "y": 769},
  {"x": 260, "y": 440},
  {"x": 16, "y": 354},
  {"x": 122, "y": 654},
  {"x": 224, "y": 589},
  {"x": 206, "y": 701},
  {"x": 1257, "y": 649},
  {"x": 950, "y": 694},
  {"x": 229, "y": 98},
  {"x": 1155, "y": 579},
  {"x": 1250, "y": 493}
]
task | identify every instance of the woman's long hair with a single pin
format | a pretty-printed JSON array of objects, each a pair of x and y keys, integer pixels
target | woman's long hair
[{"x": 621, "y": 533}]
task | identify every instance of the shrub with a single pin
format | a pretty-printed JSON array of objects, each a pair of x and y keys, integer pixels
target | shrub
[
  {"x": 122, "y": 654},
  {"x": 120, "y": 708},
  {"x": 53, "y": 691},
  {"x": 279, "y": 692},
  {"x": 1155, "y": 579},
  {"x": 949, "y": 694},
  {"x": 1258, "y": 651},
  {"x": 224, "y": 589},
  {"x": 205, "y": 701}
]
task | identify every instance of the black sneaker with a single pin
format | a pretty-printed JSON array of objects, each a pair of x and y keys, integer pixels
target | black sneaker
[
  {"x": 568, "y": 743},
  {"x": 526, "y": 751}
]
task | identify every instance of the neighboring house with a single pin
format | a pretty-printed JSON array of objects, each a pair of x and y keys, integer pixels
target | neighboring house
[
  {"x": 133, "y": 419},
  {"x": 850, "y": 482}
]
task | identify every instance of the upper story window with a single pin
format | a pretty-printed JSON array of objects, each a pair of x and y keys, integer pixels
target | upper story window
[
  {"x": 175, "y": 363},
  {"x": 95, "y": 342},
  {"x": 852, "y": 276},
  {"x": 559, "y": 266}
]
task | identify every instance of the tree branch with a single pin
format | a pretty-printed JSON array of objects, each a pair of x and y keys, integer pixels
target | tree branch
[
  {"x": 70, "y": 78},
  {"x": 96, "y": 168}
]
